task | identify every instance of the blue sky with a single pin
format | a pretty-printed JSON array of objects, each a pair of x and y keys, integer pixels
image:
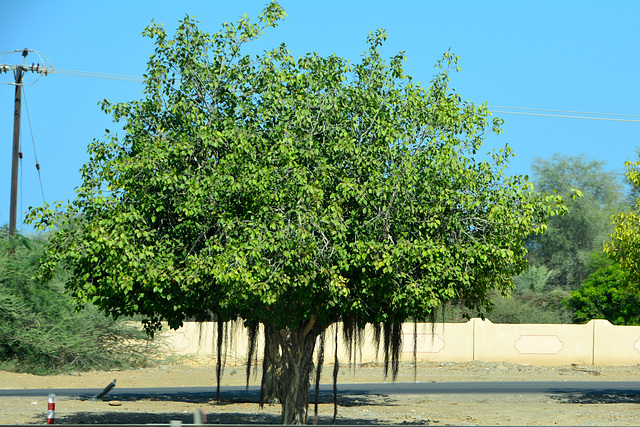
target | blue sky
[{"x": 554, "y": 55}]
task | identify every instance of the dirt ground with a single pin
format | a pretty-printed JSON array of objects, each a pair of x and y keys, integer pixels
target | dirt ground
[{"x": 437, "y": 409}]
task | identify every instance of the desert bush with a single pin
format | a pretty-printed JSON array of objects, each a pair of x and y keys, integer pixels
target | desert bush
[
  {"x": 530, "y": 307},
  {"x": 42, "y": 332},
  {"x": 518, "y": 307}
]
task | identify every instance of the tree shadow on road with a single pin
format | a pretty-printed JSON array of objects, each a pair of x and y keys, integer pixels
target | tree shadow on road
[
  {"x": 593, "y": 397},
  {"x": 165, "y": 418},
  {"x": 242, "y": 416},
  {"x": 345, "y": 400},
  {"x": 212, "y": 418}
]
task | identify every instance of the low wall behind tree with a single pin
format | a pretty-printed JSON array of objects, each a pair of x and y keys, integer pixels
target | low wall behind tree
[{"x": 595, "y": 343}]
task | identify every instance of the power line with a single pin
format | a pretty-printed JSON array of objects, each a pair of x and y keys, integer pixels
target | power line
[
  {"x": 41, "y": 70},
  {"x": 572, "y": 117},
  {"x": 94, "y": 75},
  {"x": 526, "y": 111},
  {"x": 564, "y": 111},
  {"x": 44, "y": 67},
  {"x": 33, "y": 142}
]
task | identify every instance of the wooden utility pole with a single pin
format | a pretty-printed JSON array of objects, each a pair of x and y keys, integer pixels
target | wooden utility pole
[
  {"x": 19, "y": 72},
  {"x": 13, "y": 204}
]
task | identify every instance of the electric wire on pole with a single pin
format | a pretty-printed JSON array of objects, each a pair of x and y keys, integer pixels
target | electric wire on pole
[
  {"x": 19, "y": 72},
  {"x": 43, "y": 68}
]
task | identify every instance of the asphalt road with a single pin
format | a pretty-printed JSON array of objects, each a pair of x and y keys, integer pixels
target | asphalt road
[{"x": 625, "y": 388}]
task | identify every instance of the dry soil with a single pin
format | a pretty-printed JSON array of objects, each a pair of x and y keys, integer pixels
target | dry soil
[{"x": 440, "y": 409}]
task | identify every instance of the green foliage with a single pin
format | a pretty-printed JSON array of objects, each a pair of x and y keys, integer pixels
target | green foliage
[
  {"x": 607, "y": 294},
  {"x": 625, "y": 239},
  {"x": 565, "y": 248},
  {"x": 612, "y": 292},
  {"x": 41, "y": 332},
  {"x": 292, "y": 193}
]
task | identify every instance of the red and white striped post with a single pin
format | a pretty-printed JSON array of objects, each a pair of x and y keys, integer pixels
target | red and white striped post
[{"x": 51, "y": 414}]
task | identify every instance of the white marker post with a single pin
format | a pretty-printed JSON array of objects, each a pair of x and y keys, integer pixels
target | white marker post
[
  {"x": 199, "y": 417},
  {"x": 51, "y": 414}
]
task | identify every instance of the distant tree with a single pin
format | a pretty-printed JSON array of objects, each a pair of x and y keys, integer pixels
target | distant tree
[
  {"x": 533, "y": 279},
  {"x": 566, "y": 246},
  {"x": 292, "y": 194},
  {"x": 562, "y": 173}
]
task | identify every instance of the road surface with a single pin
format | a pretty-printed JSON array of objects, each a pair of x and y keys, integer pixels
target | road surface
[{"x": 239, "y": 392}]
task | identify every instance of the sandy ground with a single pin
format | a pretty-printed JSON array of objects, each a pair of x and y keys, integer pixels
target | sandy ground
[{"x": 441, "y": 409}]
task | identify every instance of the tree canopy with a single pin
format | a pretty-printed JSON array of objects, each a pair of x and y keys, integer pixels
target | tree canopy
[
  {"x": 293, "y": 194},
  {"x": 565, "y": 248}
]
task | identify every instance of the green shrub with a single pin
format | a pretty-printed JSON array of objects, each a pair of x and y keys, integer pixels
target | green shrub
[
  {"x": 607, "y": 294},
  {"x": 42, "y": 332}
]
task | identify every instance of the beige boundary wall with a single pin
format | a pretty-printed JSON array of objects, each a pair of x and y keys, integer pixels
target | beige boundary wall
[{"x": 596, "y": 343}]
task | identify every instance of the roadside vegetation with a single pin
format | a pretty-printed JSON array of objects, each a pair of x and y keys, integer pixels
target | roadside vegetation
[
  {"x": 570, "y": 278},
  {"x": 41, "y": 330}
]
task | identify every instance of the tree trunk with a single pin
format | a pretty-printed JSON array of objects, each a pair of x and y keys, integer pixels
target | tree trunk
[
  {"x": 270, "y": 368},
  {"x": 296, "y": 346}
]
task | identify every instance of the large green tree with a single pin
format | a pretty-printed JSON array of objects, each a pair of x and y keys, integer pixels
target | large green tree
[
  {"x": 565, "y": 248},
  {"x": 293, "y": 194}
]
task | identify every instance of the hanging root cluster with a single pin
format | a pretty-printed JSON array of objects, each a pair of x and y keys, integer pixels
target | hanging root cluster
[{"x": 288, "y": 360}]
